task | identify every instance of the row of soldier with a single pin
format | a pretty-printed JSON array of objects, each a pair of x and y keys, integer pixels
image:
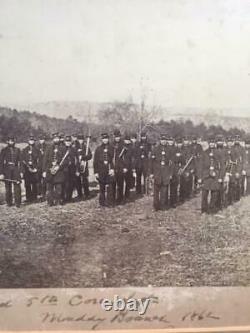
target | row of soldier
[{"x": 177, "y": 168}]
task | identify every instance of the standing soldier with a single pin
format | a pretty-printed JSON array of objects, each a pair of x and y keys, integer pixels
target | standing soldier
[
  {"x": 54, "y": 165},
  {"x": 161, "y": 170},
  {"x": 70, "y": 171},
  {"x": 11, "y": 171},
  {"x": 118, "y": 167},
  {"x": 222, "y": 155},
  {"x": 239, "y": 151},
  {"x": 189, "y": 167},
  {"x": 133, "y": 139},
  {"x": 210, "y": 175},
  {"x": 177, "y": 184},
  {"x": 246, "y": 168},
  {"x": 232, "y": 173},
  {"x": 84, "y": 155},
  {"x": 41, "y": 181},
  {"x": 75, "y": 179},
  {"x": 142, "y": 155},
  {"x": 196, "y": 151},
  {"x": 104, "y": 171},
  {"x": 30, "y": 161},
  {"x": 126, "y": 157}
]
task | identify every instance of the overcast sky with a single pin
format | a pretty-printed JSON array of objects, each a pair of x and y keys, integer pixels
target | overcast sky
[{"x": 193, "y": 53}]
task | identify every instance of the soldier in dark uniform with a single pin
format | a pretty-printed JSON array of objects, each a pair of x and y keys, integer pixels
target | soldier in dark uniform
[
  {"x": 189, "y": 170},
  {"x": 54, "y": 165},
  {"x": 70, "y": 171},
  {"x": 76, "y": 184},
  {"x": 239, "y": 151},
  {"x": 246, "y": 167},
  {"x": 118, "y": 167},
  {"x": 42, "y": 186},
  {"x": 11, "y": 171},
  {"x": 30, "y": 161},
  {"x": 84, "y": 155},
  {"x": 232, "y": 173},
  {"x": 126, "y": 158},
  {"x": 177, "y": 190},
  {"x": 133, "y": 139},
  {"x": 104, "y": 171},
  {"x": 222, "y": 154},
  {"x": 196, "y": 152},
  {"x": 161, "y": 170},
  {"x": 210, "y": 175},
  {"x": 141, "y": 157}
]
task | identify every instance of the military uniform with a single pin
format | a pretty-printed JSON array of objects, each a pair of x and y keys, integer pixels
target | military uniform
[
  {"x": 53, "y": 158},
  {"x": 141, "y": 160},
  {"x": 126, "y": 159},
  {"x": 196, "y": 151},
  {"x": 118, "y": 183},
  {"x": 161, "y": 168},
  {"x": 246, "y": 168},
  {"x": 233, "y": 174},
  {"x": 177, "y": 183},
  {"x": 30, "y": 161},
  {"x": 84, "y": 156},
  {"x": 42, "y": 186},
  {"x": 11, "y": 168},
  {"x": 70, "y": 171},
  {"x": 210, "y": 173},
  {"x": 222, "y": 155},
  {"x": 76, "y": 184},
  {"x": 187, "y": 175},
  {"x": 104, "y": 171}
]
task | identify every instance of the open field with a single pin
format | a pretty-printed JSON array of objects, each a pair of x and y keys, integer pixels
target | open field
[{"x": 81, "y": 245}]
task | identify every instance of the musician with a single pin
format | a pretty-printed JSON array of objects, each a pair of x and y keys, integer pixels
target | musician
[
  {"x": 246, "y": 167},
  {"x": 84, "y": 155},
  {"x": 161, "y": 170},
  {"x": 210, "y": 175},
  {"x": 41, "y": 146},
  {"x": 11, "y": 171},
  {"x": 104, "y": 170},
  {"x": 30, "y": 161},
  {"x": 118, "y": 167},
  {"x": 141, "y": 158},
  {"x": 54, "y": 165}
]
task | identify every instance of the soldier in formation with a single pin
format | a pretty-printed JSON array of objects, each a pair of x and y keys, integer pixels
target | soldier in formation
[{"x": 177, "y": 168}]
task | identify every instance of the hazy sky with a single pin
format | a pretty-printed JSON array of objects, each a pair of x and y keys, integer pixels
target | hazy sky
[{"x": 189, "y": 53}]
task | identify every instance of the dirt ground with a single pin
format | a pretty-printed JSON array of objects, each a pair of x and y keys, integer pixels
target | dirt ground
[{"x": 81, "y": 245}]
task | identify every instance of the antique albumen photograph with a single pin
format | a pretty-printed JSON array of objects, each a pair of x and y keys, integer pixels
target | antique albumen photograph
[{"x": 124, "y": 143}]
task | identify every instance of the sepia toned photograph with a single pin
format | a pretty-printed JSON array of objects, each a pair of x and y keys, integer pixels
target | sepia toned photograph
[{"x": 124, "y": 144}]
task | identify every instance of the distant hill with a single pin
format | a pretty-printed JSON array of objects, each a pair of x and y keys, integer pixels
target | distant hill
[{"x": 90, "y": 112}]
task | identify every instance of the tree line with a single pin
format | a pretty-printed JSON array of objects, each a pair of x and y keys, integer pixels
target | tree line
[{"x": 128, "y": 117}]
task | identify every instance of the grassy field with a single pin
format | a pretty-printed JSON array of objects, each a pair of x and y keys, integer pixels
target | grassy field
[{"x": 81, "y": 245}]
